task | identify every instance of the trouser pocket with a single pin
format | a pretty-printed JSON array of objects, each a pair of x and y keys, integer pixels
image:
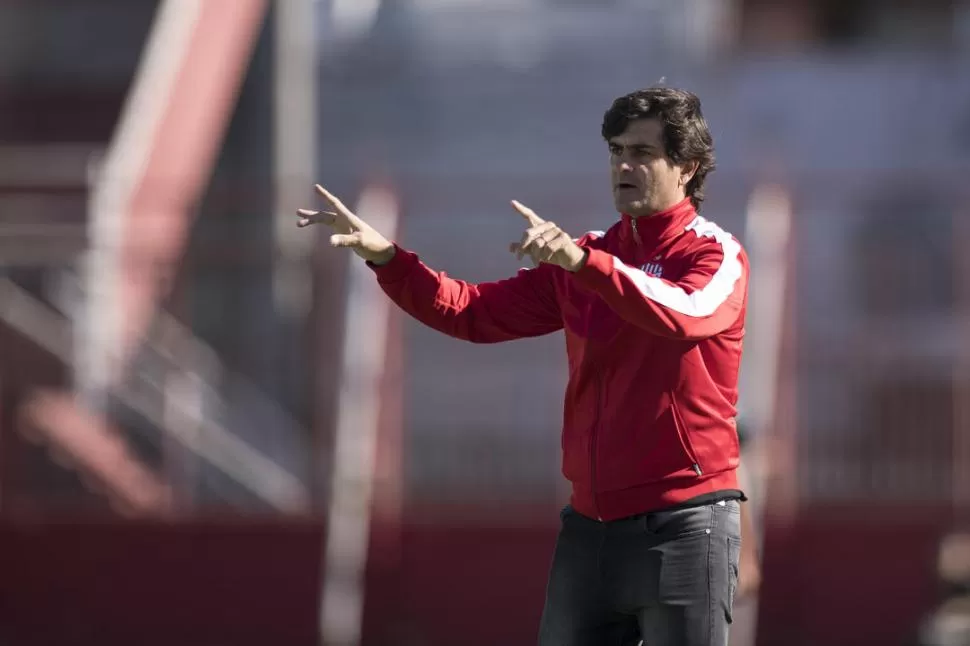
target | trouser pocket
[{"x": 733, "y": 573}]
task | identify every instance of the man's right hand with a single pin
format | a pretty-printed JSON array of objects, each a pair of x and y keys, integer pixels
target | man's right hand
[{"x": 349, "y": 230}]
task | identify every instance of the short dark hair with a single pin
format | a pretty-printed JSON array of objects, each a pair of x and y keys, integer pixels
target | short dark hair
[{"x": 686, "y": 135}]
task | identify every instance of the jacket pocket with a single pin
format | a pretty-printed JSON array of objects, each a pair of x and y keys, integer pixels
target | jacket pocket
[
  {"x": 581, "y": 419},
  {"x": 734, "y": 573},
  {"x": 636, "y": 450},
  {"x": 684, "y": 435}
]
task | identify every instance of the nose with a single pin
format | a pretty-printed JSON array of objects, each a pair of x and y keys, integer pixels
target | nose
[{"x": 623, "y": 166}]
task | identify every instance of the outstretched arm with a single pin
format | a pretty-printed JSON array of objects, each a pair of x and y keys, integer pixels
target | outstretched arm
[
  {"x": 517, "y": 307},
  {"x": 521, "y": 306}
]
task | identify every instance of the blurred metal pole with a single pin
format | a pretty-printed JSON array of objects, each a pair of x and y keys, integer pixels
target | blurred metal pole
[
  {"x": 768, "y": 225},
  {"x": 160, "y": 159},
  {"x": 159, "y": 162},
  {"x": 768, "y": 231},
  {"x": 116, "y": 181},
  {"x": 294, "y": 150},
  {"x": 960, "y": 465},
  {"x": 362, "y": 377}
]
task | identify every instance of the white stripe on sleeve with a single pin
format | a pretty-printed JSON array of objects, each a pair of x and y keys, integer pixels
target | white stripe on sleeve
[{"x": 704, "y": 301}]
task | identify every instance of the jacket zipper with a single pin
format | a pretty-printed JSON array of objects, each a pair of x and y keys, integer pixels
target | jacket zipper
[{"x": 695, "y": 467}]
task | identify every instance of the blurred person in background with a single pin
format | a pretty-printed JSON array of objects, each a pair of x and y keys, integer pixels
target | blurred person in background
[
  {"x": 749, "y": 577},
  {"x": 653, "y": 313}
]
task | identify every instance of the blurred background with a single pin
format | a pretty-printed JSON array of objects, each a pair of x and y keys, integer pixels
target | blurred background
[{"x": 214, "y": 430}]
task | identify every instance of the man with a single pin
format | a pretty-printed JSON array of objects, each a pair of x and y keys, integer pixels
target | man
[{"x": 653, "y": 314}]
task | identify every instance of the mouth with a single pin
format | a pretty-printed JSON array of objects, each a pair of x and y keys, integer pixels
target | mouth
[{"x": 625, "y": 186}]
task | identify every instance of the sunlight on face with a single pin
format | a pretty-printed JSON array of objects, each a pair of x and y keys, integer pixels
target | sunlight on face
[{"x": 644, "y": 180}]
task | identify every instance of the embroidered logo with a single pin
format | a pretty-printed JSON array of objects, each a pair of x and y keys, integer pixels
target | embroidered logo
[{"x": 653, "y": 268}]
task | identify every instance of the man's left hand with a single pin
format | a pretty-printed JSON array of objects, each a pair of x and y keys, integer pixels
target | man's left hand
[{"x": 546, "y": 242}]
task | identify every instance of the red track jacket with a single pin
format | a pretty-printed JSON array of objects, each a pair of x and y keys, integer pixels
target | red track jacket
[{"x": 654, "y": 323}]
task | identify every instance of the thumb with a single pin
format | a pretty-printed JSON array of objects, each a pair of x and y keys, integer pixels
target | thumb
[
  {"x": 345, "y": 240},
  {"x": 527, "y": 213}
]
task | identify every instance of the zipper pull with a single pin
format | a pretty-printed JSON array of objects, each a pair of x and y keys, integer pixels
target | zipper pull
[{"x": 697, "y": 469}]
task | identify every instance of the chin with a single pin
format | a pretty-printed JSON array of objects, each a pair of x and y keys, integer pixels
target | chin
[
  {"x": 636, "y": 208},
  {"x": 628, "y": 207}
]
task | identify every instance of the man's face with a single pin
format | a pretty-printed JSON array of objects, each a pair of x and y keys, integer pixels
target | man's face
[{"x": 644, "y": 179}]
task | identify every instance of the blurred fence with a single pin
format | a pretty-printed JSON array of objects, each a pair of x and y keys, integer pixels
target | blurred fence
[
  {"x": 879, "y": 331},
  {"x": 878, "y": 202},
  {"x": 881, "y": 334}
]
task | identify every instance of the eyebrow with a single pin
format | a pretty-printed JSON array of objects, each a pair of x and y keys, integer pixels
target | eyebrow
[{"x": 634, "y": 145}]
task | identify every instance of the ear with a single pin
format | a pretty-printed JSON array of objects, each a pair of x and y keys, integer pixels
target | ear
[{"x": 687, "y": 174}]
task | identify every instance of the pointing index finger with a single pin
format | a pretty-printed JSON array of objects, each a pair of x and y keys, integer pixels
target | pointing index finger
[
  {"x": 339, "y": 206},
  {"x": 327, "y": 195},
  {"x": 527, "y": 213}
]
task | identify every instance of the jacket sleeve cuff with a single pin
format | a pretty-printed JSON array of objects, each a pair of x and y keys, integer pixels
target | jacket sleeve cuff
[
  {"x": 597, "y": 270},
  {"x": 397, "y": 269}
]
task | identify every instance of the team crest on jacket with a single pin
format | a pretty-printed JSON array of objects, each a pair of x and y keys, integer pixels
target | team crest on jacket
[{"x": 653, "y": 268}]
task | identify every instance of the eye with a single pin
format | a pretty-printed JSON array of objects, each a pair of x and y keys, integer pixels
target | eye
[{"x": 615, "y": 149}]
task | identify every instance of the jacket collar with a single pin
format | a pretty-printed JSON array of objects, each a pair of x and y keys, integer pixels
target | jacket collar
[{"x": 660, "y": 227}]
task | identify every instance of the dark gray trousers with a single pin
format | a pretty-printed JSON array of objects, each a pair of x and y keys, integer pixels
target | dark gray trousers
[{"x": 666, "y": 578}]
